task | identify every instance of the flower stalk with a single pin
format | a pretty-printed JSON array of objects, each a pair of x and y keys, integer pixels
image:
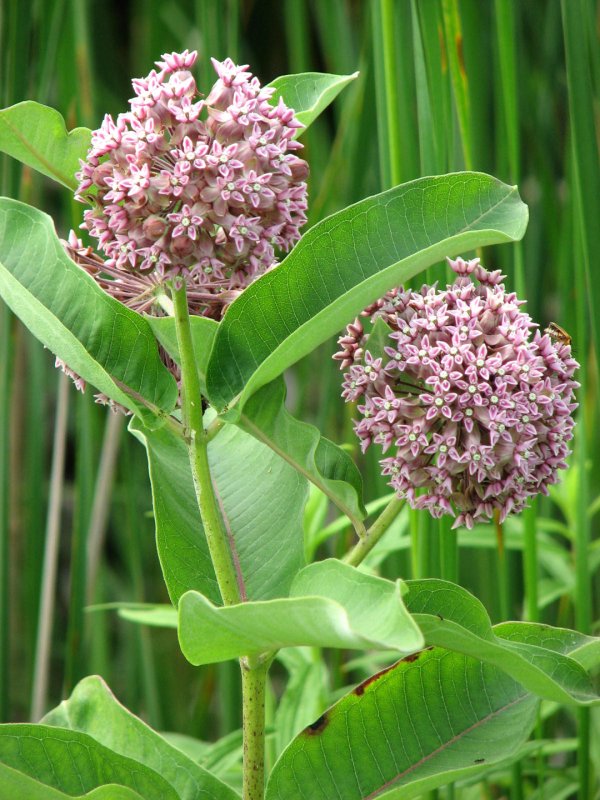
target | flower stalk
[{"x": 364, "y": 546}]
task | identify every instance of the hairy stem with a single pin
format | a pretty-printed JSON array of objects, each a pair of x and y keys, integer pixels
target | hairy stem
[
  {"x": 355, "y": 556},
  {"x": 254, "y": 678},
  {"x": 254, "y": 671},
  {"x": 215, "y": 532}
]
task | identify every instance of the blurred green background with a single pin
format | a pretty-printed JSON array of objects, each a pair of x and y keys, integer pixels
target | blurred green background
[{"x": 506, "y": 87}]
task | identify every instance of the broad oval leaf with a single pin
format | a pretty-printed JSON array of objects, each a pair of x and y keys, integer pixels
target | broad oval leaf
[
  {"x": 535, "y": 655},
  {"x": 110, "y": 346},
  {"x": 75, "y": 763},
  {"x": 309, "y": 93},
  {"x": 428, "y": 720},
  {"x": 15, "y": 784},
  {"x": 180, "y": 541},
  {"x": 346, "y": 262},
  {"x": 94, "y": 710},
  {"x": 265, "y": 531},
  {"x": 330, "y": 605},
  {"x": 37, "y": 136},
  {"x": 321, "y": 461}
]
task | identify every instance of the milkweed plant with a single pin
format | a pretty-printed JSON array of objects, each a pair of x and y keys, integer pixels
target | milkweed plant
[{"x": 183, "y": 298}]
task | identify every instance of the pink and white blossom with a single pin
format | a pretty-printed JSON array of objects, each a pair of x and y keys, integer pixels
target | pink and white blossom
[
  {"x": 189, "y": 185},
  {"x": 473, "y": 403}
]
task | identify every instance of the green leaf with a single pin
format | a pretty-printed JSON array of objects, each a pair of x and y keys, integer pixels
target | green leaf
[
  {"x": 321, "y": 461},
  {"x": 331, "y": 605},
  {"x": 193, "y": 748},
  {"x": 262, "y": 499},
  {"x": 304, "y": 696},
  {"x": 203, "y": 334},
  {"x": 94, "y": 710},
  {"x": 74, "y": 763},
  {"x": 266, "y": 418},
  {"x": 110, "y": 346},
  {"x": 37, "y": 136},
  {"x": 428, "y": 720},
  {"x": 534, "y": 655},
  {"x": 180, "y": 541},
  {"x": 346, "y": 262},
  {"x": 15, "y": 784},
  {"x": 309, "y": 93},
  {"x": 224, "y": 758},
  {"x": 434, "y": 717}
]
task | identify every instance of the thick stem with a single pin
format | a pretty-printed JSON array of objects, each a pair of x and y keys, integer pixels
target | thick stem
[
  {"x": 254, "y": 678},
  {"x": 216, "y": 535},
  {"x": 374, "y": 533},
  {"x": 254, "y": 671}
]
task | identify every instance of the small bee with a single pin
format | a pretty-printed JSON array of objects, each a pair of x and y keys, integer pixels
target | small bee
[{"x": 557, "y": 333}]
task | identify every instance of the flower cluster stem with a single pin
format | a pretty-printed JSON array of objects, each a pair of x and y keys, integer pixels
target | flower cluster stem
[
  {"x": 355, "y": 556},
  {"x": 216, "y": 535}
]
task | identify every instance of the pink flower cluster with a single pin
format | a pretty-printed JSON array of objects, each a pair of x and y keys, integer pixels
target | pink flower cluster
[
  {"x": 206, "y": 188},
  {"x": 476, "y": 410}
]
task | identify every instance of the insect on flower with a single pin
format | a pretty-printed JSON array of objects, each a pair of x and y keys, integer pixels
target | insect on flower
[{"x": 557, "y": 333}]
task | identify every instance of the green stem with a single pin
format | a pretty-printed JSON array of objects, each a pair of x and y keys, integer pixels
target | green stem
[
  {"x": 216, "y": 535},
  {"x": 516, "y": 792},
  {"x": 254, "y": 671},
  {"x": 254, "y": 678},
  {"x": 214, "y": 427},
  {"x": 85, "y": 462},
  {"x": 374, "y": 533}
]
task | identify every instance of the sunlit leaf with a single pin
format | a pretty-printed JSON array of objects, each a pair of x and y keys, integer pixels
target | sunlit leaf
[
  {"x": 93, "y": 709},
  {"x": 15, "y": 784},
  {"x": 110, "y": 346},
  {"x": 71, "y": 762},
  {"x": 37, "y": 135},
  {"x": 309, "y": 93},
  {"x": 346, "y": 262},
  {"x": 265, "y": 533},
  {"x": 330, "y": 605},
  {"x": 535, "y": 655},
  {"x": 321, "y": 461},
  {"x": 428, "y": 720}
]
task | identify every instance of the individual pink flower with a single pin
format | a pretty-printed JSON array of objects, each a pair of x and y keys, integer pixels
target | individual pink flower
[
  {"x": 475, "y": 405},
  {"x": 193, "y": 187}
]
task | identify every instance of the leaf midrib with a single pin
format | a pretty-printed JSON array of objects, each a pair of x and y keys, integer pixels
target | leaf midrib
[{"x": 457, "y": 737}]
